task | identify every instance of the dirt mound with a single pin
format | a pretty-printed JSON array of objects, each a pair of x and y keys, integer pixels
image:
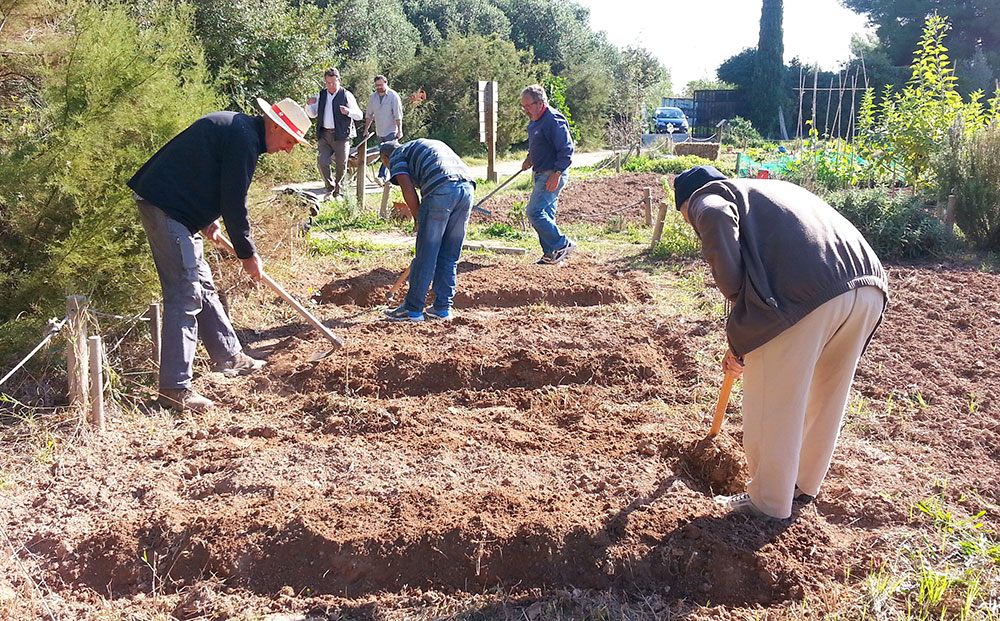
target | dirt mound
[
  {"x": 478, "y": 354},
  {"x": 590, "y": 200},
  {"x": 481, "y": 283}
]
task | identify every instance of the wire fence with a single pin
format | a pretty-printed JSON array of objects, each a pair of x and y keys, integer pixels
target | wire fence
[
  {"x": 51, "y": 329},
  {"x": 613, "y": 211}
]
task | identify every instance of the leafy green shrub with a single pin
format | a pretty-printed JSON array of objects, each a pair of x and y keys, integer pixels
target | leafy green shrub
[
  {"x": 897, "y": 227},
  {"x": 450, "y": 75},
  {"x": 825, "y": 166},
  {"x": 263, "y": 48},
  {"x": 977, "y": 191},
  {"x": 672, "y": 166},
  {"x": 68, "y": 223},
  {"x": 502, "y": 230},
  {"x": 741, "y": 133},
  {"x": 908, "y": 128}
]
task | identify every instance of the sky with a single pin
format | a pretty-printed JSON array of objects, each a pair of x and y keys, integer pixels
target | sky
[{"x": 693, "y": 38}]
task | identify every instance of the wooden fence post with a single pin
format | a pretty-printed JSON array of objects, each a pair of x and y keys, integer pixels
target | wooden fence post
[
  {"x": 949, "y": 217},
  {"x": 658, "y": 229},
  {"x": 153, "y": 314},
  {"x": 76, "y": 349},
  {"x": 647, "y": 206},
  {"x": 383, "y": 211},
  {"x": 362, "y": 167},
  {"x": 96, "y": 383}
]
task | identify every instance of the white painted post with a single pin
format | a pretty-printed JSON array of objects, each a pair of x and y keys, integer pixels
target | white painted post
[
  {"x": 96, "y": 383},
  {"x": 153, "y": 314},
  {"x": 76, "y": 349}
]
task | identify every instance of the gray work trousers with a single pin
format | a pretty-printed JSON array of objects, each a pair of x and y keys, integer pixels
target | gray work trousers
[
  {"x": 191, "y": 306},
  {"x": 338, "y": 150}
]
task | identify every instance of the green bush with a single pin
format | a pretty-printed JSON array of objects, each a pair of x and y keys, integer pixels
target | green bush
[
  {"x": 673, "y": 165},
  {"x": 263, "y": 48},
  {"x": 899, "y": 227},
  {"x": 739, "y": 132},
  {"x": 68, "y": 224},
  {"x": 450, "y": 76},
  {"x": 977, "y": 190}
]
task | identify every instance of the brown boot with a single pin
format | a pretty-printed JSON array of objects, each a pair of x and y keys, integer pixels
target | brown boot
[
  {"x": 182, "y": 399},
  {"x": 240, "y": 364}
]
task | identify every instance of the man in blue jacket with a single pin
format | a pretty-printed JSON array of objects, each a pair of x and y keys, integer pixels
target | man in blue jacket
[
  {"x": 200, "y": 175},
  {"x": 550, "y": 150}
]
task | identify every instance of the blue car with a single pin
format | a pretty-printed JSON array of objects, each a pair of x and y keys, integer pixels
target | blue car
[{"x": 665, "y": 118}]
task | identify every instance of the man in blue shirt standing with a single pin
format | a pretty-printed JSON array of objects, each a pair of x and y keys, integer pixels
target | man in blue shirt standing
[
  {"x": 201, "y": 174},
  {"x": 441, "y": 215},
  {"x": 550, "y": 150}
]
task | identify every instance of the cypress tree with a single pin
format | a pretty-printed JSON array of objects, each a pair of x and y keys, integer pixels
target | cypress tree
[{"x": 764, "y": 95}]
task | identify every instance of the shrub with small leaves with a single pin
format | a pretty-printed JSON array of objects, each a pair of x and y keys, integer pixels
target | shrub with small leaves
[{"x": 899, "y": 227}]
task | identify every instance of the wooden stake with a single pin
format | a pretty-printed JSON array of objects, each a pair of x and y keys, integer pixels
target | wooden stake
[
  {"x": 647, "y": 206},
  {"x": 362, "y": 166},
  {"x": 618, "y": 163},
  {"x": 383, "y": 211},
  {"x": 96, "y": 383},
  {"x": 76, "y": 349},
  {"x": 949, "y": 217},
  {"x": 658, "y": 229}
]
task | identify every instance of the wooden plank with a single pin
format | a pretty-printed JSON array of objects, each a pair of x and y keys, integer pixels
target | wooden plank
[{"x": 497, "y": 249}]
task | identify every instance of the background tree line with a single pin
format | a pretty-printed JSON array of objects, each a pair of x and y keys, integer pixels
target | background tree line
[
  {"x": 89, "y": 89},
  {"x": 880, "y": 60}
]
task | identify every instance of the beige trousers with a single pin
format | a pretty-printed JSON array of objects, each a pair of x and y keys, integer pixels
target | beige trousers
[{"x": 795, "y": 390}]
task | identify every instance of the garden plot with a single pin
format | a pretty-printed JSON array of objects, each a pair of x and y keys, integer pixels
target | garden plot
[{"x": 548, "y": 440}]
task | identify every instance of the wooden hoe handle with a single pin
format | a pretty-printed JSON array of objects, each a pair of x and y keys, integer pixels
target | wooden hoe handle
[
  {"x": 720, "y": 406},
  {"x": 336, "y": 340}
]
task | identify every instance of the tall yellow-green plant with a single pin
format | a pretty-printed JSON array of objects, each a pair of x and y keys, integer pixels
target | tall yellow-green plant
[
  {"x": 116, "y": 91},
  {"x": 908, "y": 127}
]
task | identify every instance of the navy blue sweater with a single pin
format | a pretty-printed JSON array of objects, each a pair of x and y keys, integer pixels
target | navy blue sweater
[
  {"x": 549, "y": 143},
  {"x": 205, "y": 172}
]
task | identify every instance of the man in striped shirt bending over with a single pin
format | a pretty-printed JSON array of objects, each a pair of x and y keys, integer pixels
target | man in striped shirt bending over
[{"x": 441, "y": 214}]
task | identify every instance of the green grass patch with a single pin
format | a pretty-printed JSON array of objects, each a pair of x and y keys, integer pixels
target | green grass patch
[
  {"x": 341, "y": 246},
  {"x": 947, "y": 572},
  {"x": 678, "y": 239},
  {"x": 343, "y": 214}
]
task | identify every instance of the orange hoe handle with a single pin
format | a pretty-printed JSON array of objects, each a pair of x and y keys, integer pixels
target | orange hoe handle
[{"x": 720, "y": 406}]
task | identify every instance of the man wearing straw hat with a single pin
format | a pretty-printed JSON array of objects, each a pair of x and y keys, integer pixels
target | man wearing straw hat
[
  {"x": 202, "y": 174},
  {"x": 806, "y": 293}
]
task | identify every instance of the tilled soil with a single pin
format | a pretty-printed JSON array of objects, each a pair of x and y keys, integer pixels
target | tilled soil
[{"x": 549, "y": 438}]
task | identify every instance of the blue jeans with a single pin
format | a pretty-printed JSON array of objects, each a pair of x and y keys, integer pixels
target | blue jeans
[
  {"x": 442, "y": 219},
  {"x": 191, "y": 306},
  {"x": 541, "y": 212}
]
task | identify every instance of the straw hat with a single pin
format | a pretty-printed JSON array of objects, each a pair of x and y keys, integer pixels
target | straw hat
[{"x": 289, "y": 116}]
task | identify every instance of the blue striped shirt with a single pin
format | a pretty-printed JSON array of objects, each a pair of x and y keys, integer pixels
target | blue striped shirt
[{"x": 429, "y": 164}]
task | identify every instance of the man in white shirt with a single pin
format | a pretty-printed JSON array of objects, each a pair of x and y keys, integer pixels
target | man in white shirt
[
  {"x": 335, "y": 110},
  {"x": 386, "y": 109}
]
